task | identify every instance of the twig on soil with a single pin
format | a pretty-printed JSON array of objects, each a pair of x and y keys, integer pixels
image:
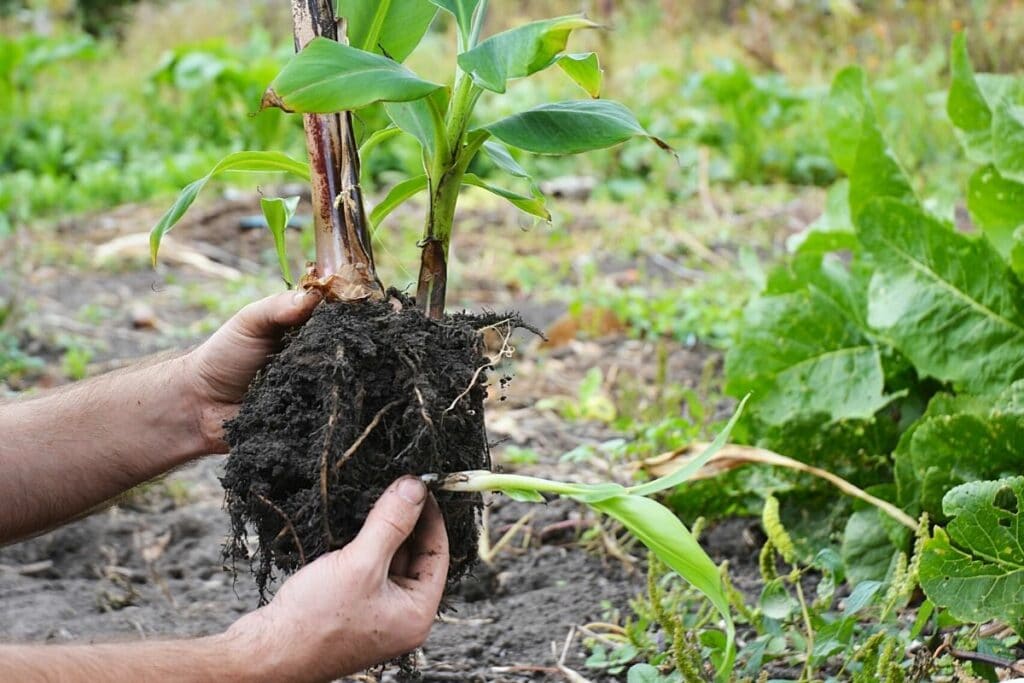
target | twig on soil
[
  {"x": 707, "y": 203},
  {"x": 449, "y": 619},
  {"x": 362, "y": 437},
  {"x": 570, "y": 674},
  {"x": 487, "y": 552},
  {"x": 733, "y": 455},
  {"x": 979, "y": 657},
  {"x": 31, "y": 569},
  {"x": 611, "y": 640},
  {"x": 287, "y": 523}
]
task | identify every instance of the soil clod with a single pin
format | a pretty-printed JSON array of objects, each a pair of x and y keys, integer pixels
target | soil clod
[{"x": 359, "y": 396}]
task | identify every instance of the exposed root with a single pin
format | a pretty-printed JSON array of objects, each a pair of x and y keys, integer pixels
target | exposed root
[
  {"x": 288, "y": 526},
  {"x": 325, "y": 501},
  {"x": 362, "y": 437}
]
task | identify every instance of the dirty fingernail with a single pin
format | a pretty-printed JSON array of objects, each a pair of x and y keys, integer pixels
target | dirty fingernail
[
  {"x": 412, "y": 490},
  {"x": 300, "y": 298}
]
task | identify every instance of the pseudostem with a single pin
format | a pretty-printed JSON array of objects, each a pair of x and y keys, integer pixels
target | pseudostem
[{"x": 344, "y": 268}]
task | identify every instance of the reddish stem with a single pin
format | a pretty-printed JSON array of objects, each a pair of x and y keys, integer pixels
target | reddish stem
[{"x": 344, "y": 268}]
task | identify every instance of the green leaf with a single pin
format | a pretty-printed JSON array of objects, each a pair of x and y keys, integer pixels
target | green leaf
[
  {"x": 833, "y": 230},
  {"x": 424, "y": 120},
  {"x": 858, "y": 147},
  {"x": 644, "y": 673},
  {"x": 866, "y": 548},
  {"x": 395, "y": 196},
  {"x": 1008, "y": 139},
  {"x": 371, "y": 143},
  {"x": 535, "y": 205},
  {"x": 947, "y": 301},
  {"x": 669, "y": 539},
  {"x": 960, "y": 440},
  {"x": 966, "y": 105},
  {"x": 327, "y": 76},
  {"x": 520, "y": 51},
  {"x": 463, "y": 11},
  {"x": 503, "y": 159},
  {"x": 971, "y": 100},
  {"x": 683, "y": 474},
  {"x": 996, "y": 205},
  {"x": 1017, "y": 253},
  {"x": 252, "y": 162},
  {"x": 862, "y": 596},
  {"x": 775, "y": 601},
  {"x": 278, "y": 212},
  {"x": 585, "y": 70},
  {"x": 390, "y": 27},
  {"x": 803, "y": 349},
  {"x": 569, "y": 127},
  {"x": 975, "y": 567},
  {"x": 524, "y": 495}
]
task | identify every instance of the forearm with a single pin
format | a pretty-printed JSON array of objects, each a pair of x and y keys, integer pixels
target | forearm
[
  {"x": 216, "y": 658},
  {"x": 63, "y": 453}
]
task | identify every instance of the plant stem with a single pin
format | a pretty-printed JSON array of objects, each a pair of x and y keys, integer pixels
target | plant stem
[
  {"x": 344, "y": 268},
  {"x": 479, "y": 481},
  {"x": 455, "y": 152}
]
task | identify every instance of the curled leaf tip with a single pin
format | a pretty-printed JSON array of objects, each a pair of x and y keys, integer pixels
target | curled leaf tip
[{"x": 272, "y": 99}]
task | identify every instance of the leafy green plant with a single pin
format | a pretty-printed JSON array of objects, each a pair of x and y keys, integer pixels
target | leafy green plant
[
  {"x": 888, "y": 317},
  {"x": 759, "y": 122},
  {"x": 975, "y": 566}
]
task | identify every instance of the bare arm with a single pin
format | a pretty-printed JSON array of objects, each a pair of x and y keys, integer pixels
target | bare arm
[
  {"x": 70, "y": 450},
  {"x": 350, "y": 609},
  {"x": 216, "y": 658}
]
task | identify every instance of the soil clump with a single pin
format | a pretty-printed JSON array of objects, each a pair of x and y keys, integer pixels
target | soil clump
[{"x": 359, "y": 396}]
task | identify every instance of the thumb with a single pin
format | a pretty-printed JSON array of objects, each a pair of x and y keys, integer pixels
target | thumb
[
  {"x": 392, "y": 519},
  {"x": 268, "y": 317}
]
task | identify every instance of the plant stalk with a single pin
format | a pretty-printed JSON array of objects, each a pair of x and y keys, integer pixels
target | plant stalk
[
  {"x": 445, "y": 182},
  {"x": 344, "y": 268}
]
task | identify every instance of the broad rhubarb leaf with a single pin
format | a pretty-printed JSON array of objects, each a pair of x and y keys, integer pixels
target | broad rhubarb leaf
[
  {"x": 803, "y": 350},
  {"x": 947, "y": 301},
  {"x": 974, "y": 568}
]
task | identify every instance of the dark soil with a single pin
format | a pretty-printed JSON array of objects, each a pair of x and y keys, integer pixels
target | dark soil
[{"x": 359, "y": 396}]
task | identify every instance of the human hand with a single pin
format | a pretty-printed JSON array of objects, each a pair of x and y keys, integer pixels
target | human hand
[
  {"x": 369, "y": 602},
  {"x": 220, "y": 369}
]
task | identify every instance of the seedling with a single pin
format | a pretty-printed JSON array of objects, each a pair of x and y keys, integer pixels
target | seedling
[{"x": 365, "y": 392}]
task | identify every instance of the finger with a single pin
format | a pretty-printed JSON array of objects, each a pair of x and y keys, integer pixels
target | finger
[
  {"x": 428, "y": 552},
  {"x": 270, "y": 316},
  {"x": 400, "y": 562},
  {"x": 391, "y": 520}
]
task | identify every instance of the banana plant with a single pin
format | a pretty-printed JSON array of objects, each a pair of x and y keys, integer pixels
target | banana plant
[{"x": 327, "y": 77}]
